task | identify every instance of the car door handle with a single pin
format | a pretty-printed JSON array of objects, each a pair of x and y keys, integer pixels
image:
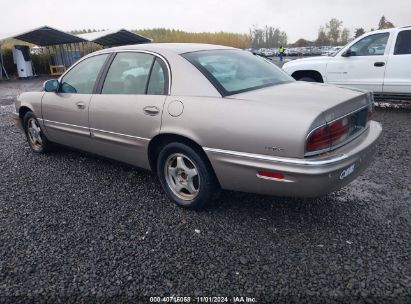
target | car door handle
[
  {"x": 151, "y": 110},
  {"x": 80, "y": 105},
  {"x": 379, "y": 64}
]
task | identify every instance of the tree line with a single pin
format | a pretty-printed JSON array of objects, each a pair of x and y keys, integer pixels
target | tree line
[
  {"x": 334, "y": 33},
  {"x": 171, "y": 35},
  {"x": 331, "y": 33}
]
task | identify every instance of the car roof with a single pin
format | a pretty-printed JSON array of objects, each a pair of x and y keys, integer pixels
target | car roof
[{"x": 177, "y": 48}]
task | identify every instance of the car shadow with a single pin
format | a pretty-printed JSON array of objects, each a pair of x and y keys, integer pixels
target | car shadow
[{"x": 241, "y": 206}]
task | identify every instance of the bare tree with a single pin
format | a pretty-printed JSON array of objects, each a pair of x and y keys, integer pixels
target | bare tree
[
  {"x": 267, "y": 37},
  {"x": 385, "y": 24},
  {"x": 345, "y": 35}
]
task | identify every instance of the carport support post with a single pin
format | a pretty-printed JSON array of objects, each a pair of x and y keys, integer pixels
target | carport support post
[
  {"x": 71, "y": 54},
  {"x": 90, "y": 46},
  {"x": 2, "y": 67},
  {"x": 1, "y": 64},
  {"x": 56, "y": 60},
  {"x": 49, "y": 57},
  {"x": 61, "y": 54}
]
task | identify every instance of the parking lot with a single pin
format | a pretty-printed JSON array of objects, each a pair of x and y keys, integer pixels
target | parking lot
[{"x": 77, "y": 228}]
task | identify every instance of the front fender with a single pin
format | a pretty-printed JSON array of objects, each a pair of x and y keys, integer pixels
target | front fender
[
  {"x": 317, "y": 64},
  {"x": 29, "y": 101}
]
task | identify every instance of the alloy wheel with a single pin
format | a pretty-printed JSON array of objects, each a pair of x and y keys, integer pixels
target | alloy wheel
[
  {"x": 34, "y": 134},
  {"x": 182, "y": 176}
]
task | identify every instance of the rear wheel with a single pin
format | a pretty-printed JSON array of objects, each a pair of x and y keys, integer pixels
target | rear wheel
[
  {"x": 35, "y": 136},
  {"x": 186, "y": 176}
]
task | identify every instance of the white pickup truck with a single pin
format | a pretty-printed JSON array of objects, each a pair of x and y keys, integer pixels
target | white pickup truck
[{"x": 379, "y": 61}]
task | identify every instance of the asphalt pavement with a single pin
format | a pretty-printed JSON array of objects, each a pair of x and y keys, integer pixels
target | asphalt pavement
[{"x": 76, "y": 228}]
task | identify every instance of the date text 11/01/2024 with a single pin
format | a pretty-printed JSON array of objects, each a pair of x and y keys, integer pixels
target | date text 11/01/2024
[{"x": 173, "y": 299}]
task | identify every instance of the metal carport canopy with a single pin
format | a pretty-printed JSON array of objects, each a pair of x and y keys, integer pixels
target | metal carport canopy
[
  {"x": 45, "y": 36},
  {"x": 115, "y": 38}
]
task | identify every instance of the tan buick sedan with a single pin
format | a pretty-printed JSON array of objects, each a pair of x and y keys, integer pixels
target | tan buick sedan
[{"x": 205, "y": 118}]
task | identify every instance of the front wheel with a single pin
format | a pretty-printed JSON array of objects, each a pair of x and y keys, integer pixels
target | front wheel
[
  {"x": 35, "y": 136},
  {"x": 307, "y": 79},
  {"x": 186, "y": 176}
]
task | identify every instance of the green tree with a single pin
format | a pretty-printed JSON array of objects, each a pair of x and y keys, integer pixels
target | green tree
[
  {"x": 302, "y": 42},
  {"x": 334, "y": 30},
  {"x": 358, "y": 32},
  {"x": 322, "y": 38},
  {"x": 384, "y": 24},
  {"x": 170, "y": 35}
]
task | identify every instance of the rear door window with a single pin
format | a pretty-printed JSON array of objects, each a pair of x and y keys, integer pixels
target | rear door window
[
  {"x": 128, "y": 74},
  {"x": 157, "y": 83},
  {"x": 403, "y": 43}
]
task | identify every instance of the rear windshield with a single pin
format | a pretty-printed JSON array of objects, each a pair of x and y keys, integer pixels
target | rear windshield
[{"x": 236, "y": 71}]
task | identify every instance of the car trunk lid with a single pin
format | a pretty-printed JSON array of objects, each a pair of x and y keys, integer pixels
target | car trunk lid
[{"x": 323, "y": 104}]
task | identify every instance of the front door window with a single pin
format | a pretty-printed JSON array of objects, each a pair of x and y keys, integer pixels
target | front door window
[
  {"x": 372, "y": 45},
  {"x": 82, "y": 77}
]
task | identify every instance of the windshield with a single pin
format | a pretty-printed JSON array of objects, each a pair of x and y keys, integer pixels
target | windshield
[{"x": 235, "y": 71}]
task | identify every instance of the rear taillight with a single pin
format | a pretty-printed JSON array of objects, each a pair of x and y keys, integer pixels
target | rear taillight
[
  {"x": 338, "y": 132},
  {"x": 318, "y": 139},
  {"x": 328, "y": 135}
]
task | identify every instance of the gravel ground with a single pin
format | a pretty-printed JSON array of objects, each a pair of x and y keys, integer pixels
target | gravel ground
[{"x": 79, "y": 228}]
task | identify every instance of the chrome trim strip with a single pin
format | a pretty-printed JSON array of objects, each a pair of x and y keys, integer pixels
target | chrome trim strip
[
  {"x": 119, "y": 134},
  {"x": 64, "y": 124},
  {"x": 284, "y": 160},
  {"x": 93, "y": 129},
  {"x": 60, "y": 126},
  {"x": 350, "y": 113}
]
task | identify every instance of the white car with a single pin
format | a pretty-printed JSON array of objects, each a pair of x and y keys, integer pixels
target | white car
[
  {"x": 379, "y": 61},
  {"x": 331, "y": 51},
  {"x": 266, "y": 52}
]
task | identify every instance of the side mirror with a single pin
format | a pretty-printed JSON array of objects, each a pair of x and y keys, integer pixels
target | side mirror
[
  {"x": 51, "y": 85},
  {"x": 348, "y": 53}
]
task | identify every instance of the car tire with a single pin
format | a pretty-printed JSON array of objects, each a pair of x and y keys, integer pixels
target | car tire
[
  {"x": 36, "y": 138},
  {"x": 186, "y": 176},
  {"x": 307, "y": 79}
]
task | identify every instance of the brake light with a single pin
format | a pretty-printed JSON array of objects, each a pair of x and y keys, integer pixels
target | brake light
[
  {"x": 318, "y": 139},
  {"x": 328, "y": 135},
  {"x": 338, "y": 132}
]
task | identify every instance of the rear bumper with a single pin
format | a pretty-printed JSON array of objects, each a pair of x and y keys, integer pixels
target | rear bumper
[{"x": 309, "y": 177}]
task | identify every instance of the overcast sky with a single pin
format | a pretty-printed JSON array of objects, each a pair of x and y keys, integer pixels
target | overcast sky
[{"x": 299, "y": 18}]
